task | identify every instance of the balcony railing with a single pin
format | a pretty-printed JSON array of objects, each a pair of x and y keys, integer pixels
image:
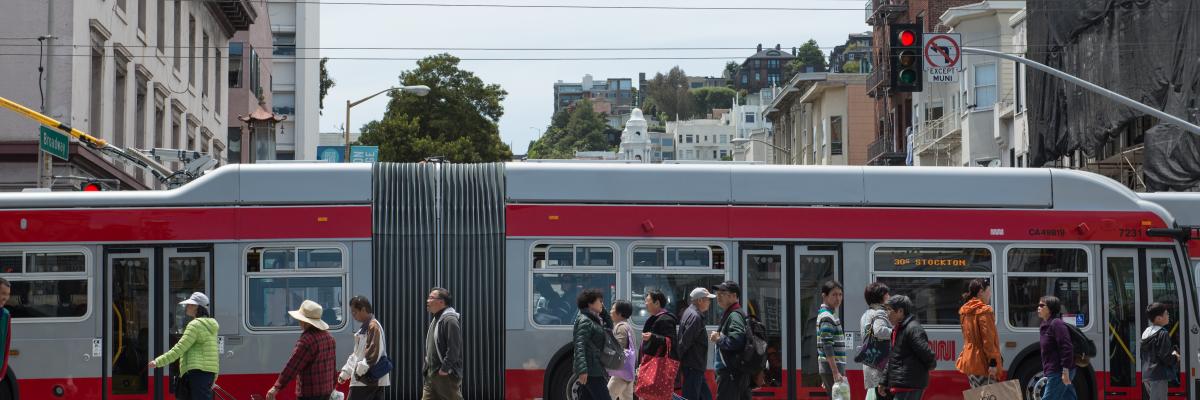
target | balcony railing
[
  {"x": 932, "y": 132},
  {"x": 877, "y": 79},
  {"x": 880, "y": 12}
]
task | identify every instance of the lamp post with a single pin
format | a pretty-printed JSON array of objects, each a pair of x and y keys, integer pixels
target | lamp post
[
  {"x": 747, "y": 140},
  {"x": 419, "y": 90}
]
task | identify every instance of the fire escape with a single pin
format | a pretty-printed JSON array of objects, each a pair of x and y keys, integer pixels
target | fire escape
[{"x": 889, "y": 147}]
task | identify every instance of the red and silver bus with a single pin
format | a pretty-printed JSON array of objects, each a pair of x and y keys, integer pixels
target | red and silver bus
[{"x": 96, "y": 276}]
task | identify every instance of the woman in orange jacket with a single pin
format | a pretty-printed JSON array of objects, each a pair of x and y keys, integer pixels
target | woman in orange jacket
[{"x": 980, "y": 359}]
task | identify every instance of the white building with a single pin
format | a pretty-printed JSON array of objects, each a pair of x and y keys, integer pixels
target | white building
[
  {"x": 956, "y": 124},
  {"x": 296, "y": 84},
  {"x": 1012, "y": 122},
  {"x": 137, "y": 73},
  {"x": 635, "y": 139},
  {"x": 749, "y": 122},
  {"x": 702, "y": 139}
]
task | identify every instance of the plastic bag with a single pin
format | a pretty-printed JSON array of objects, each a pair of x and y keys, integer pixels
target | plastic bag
[{"x": 841, "y": 390}]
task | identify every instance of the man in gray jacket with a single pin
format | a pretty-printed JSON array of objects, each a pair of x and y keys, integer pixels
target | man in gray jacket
[
  {"x": 443, "y": 349},
  {"x": 693, "y": 346}
]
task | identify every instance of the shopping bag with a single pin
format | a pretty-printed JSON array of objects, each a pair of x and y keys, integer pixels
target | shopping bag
[
  {"x": 656, "y": 376},
  {"x": 1006, "y": 390}
]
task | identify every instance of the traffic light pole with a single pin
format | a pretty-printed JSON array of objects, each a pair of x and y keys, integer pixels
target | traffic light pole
[{"x": 1188, "y": 126}]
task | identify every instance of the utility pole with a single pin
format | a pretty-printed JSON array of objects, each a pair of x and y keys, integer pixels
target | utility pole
[{"x": 45, "y": 168}]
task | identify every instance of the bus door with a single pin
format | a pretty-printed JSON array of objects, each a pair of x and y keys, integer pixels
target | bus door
[
  {"x": 1134, "y": 278},
  {"x": 145, "y": 285},
  {"x": 783, "y": 289}
]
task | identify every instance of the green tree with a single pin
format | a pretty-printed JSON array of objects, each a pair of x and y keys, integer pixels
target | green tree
[
  {"x": 457, "y": 119},
  {"x": 851, "y": 67},
  {"x": 808, "y": 55},
  {"x": 579, "y": 128},
  {"x": 326, "y": 83},
  {"x": 730, "y": 73},
  {"x": 708, "y": 98},
  {"x": 670, "y": 93}
]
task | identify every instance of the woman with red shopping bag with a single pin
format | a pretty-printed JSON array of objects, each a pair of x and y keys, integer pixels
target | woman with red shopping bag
[{"x": 658, "y": 365}]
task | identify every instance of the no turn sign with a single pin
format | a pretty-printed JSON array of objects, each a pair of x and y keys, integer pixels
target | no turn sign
[{"x": 942, "y": 53}]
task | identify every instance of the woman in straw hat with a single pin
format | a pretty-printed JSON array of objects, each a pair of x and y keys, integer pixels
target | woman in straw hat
[
  {"x": 313, "y": 362},
  {"x": 196, "y": 352}
]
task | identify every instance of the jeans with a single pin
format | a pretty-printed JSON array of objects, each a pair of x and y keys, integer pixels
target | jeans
[
  {"x": 1155, "y": 390},
  {"x": 732, "y": 386},
  {"x": 1057, "y": 390},
  {"x": 695, "y": 385},
  {"x": 199, "y": 384},
  {"x": 438, "y": 387}
]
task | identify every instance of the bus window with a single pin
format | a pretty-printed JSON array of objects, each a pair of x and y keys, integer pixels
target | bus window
[
  {"x": 1037, "y": 272},
  {"x": 933, "y": 277},
  {"x": 46, "y": 284},
  {"x": 1163, "y": 289},
  {"x": 273, "y": 288},
  {"x": 554, "y": 294},
  {"x": 674, "y": 270},
  {"x": 566, "y": 255}
]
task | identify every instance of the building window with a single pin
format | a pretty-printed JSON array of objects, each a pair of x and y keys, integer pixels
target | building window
[
  {"x": 191, "y": 50},
  {"x": 724, "y": 153},
  {"x": 561, "y": 271},
  {"x": 1018, "y": 85},
  {"x": 835, "y": 135},
  {"x": 141, "y": 16},
  {"x": 773, "y": 64},
  {"x": 279, "y": 278},
  {"x": 217, "y": 80},
  {"x": 95, "y": 101},
  {"x": 724, "y": 139},
  {"x": 160, "y": 119},
  {"x": 120, "y": 87},
  {"x": 285, "y": 44},
  {"x": 674, "y": 270},
  {"x": 1037, "y": 272},
  {"x": 773, "y": 79},
  {"x": 204, "y": 65},
  {"x": 160, "y": 29},
  {"x": 749, "y": 118},
  {"x": 985, "y": 86},
  {"x": 758, "y": 77},
  {"x": 46, "y": 284},
  {"x": 757, "y": 64},
  {"x": 934, "y": 277},
  {"x": 284, "y": 103},
  {"x": 745, "y": 79},
  {"x": 235, "y": 64},
  {"x": 234, "y": 139},
  {"x": 178, "y": 38},
  {"x": 667, "y": 142},
  {"x": 141, "y": 110}
]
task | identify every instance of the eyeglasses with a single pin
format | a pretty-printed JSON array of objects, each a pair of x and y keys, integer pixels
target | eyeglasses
[
  {"x": 433, "y": 298},
  {"x": 1040, "y": 305}
]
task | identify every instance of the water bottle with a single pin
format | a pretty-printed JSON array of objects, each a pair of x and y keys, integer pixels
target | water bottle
[{"x": 841, "y": 390}]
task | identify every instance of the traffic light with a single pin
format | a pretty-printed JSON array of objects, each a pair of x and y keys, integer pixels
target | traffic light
[
  {"x": 90, "y": 187},
  {"x": 904, "y": 50}
]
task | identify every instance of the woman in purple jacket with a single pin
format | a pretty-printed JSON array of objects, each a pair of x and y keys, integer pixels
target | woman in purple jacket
[{"x": 1058, "y": 354}]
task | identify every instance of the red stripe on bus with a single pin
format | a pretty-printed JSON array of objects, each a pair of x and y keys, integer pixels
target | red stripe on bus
[
  {"x": 828, "y": 222},
  {"x": 184, "y": 224},
  {"x": 240, "y": 386}
]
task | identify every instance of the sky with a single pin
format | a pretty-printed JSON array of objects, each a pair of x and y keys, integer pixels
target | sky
[{"x": 530, "y": 101}]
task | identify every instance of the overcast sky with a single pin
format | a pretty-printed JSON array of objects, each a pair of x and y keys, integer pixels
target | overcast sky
[{"x": 529, "y": 105}]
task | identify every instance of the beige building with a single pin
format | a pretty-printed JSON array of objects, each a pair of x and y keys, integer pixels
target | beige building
[
  {"x": 139, "y": 74},
  {"x": 823, "y": 119}
]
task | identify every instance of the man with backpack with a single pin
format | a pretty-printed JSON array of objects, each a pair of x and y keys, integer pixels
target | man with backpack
[{"x": 733, "y": 381}]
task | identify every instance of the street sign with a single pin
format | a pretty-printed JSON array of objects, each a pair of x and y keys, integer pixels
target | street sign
[
  {"x": 54, "y": 142},
  {"x": 942, "y": 51},
  {"x": 358, "y": 154}
]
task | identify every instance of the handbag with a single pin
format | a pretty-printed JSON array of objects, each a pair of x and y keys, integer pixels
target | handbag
[
  {"x": 656, "y": 376},
  {"x": 627, "y": 371},
  {"x": 1010, "y": 389},
  {"x": 874, "y": 351},
  {"x": 183, "y": 391},
  {"x": 383, "y": 365}
]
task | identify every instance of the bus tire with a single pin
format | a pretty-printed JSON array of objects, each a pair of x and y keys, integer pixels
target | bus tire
[
  {"x": 560, "y": 380},
  {"x": 1030, "y": 372}
]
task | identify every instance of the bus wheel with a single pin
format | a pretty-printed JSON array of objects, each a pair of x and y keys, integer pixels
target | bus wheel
[
  {"x": 560, "y": 381},
  {"x": 1029, "y": 374}
]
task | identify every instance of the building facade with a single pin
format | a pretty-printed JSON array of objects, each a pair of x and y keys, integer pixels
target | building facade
[
  {"x": 635, "y": 140},
  {"x": 958, "y": 124},
  {"x": 893, "y": 110},
  {"x": 252, "y": 132},
  {"x": 750, "y": 123},
  {"x": 855, "y": 53},
  {"x": 296, "y": 80},
  {"x": 139, "y": 74},
  {"x": 612, "y": 96},
  {"x": 827, "y": 120},
  {"x": 764, "y": 69},
  {"x": 702, "y": 139}
]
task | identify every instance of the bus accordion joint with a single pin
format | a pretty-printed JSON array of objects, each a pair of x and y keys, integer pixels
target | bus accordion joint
[{"x": 1182, "y": 234}]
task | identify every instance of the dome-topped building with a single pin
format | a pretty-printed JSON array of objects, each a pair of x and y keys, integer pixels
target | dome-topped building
[{"x": 635, "y": 139}]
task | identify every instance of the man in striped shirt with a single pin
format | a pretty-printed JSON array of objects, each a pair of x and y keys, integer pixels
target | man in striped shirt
[{"x": 831, "y": 348}]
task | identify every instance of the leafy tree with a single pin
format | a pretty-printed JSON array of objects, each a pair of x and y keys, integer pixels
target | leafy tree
[
  {"x": 708, "y": 98},
  {"x": 578, "y": 128},
  {"x": 457, "y": 119},
  {"x": 326, "y": 83},
  {"x": 851, "y": 67},
  {"x": 808, "y": 55},
  {"x": 670, "y": 93},
  {"x": 730, "y": 73}
]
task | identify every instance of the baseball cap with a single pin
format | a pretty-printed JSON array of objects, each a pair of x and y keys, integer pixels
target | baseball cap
[
  {"x": 700, "y": 293},
  {"x": 197, "y": 298},
  {"x": 728, "y": 286}
]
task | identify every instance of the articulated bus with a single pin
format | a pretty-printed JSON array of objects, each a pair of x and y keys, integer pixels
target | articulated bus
[{"x": 96, "y": 276}]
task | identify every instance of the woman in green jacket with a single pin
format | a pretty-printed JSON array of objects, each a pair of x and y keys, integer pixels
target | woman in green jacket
[
  {"x": 589, "y": 339},
  {"x": 197, "y": 352}
]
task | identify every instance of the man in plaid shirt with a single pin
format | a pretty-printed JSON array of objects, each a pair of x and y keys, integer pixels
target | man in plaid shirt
[{"x": 313, "y": 360}]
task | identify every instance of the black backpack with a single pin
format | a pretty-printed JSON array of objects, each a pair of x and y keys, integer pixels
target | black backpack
[
  {"x": 1085, "y": 348},
  {"x": 753, "y": 358}
]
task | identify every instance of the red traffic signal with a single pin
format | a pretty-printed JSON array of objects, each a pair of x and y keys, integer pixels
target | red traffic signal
[
  {"x": 907, "y": 38},
  {"x": 904, "y": 52},
  {"x": 90, "y": 187}
]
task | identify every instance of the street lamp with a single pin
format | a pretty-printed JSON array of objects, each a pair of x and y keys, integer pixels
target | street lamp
[
  {"x": 747, "y": 140},
  {"x": 419, "y": 90}
]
